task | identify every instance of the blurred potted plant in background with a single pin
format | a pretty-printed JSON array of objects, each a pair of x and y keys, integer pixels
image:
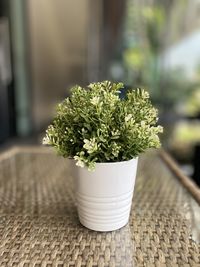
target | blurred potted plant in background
[
  {"x": 149, "y": 32},
  {"x": 104, "y": 133}
]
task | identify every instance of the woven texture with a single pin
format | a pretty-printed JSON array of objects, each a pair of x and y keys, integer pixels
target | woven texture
[{"x": 39, "y": 224}]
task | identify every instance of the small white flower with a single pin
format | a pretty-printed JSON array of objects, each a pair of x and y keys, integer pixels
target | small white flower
[
  {"x": 90, "y": 145},
  {"x": 145, "y": 94},
  {"x": 46, "y": 140},
  {"x": 115, "y": 149},
  {"x": 143, "y": 124},
  {"x": 153, "y": 112},
  {"x": 79, "y": 162},
  {"x": 95, "y": 100},
  {"x": 128, "y": 117},
  {"x": 84, "y": 130},
  {"x": 159, "y": 129},
  {"x": 115, "y": 133}
]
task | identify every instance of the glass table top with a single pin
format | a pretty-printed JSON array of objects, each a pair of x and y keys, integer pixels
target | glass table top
[{"x": 39, "y": 225}]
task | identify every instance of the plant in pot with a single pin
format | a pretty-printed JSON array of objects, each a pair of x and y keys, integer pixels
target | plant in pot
[{"x": 104, "y": 134}]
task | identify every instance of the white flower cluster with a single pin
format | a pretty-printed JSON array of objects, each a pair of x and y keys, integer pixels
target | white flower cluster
[
  {"x": 90, "y": 145},
  {"x": 95, "y": 100},
  {"x": 79, "y": 162}
]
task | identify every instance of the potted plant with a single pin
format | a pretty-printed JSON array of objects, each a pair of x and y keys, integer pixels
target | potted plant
[{"x": 104, "y": 134}]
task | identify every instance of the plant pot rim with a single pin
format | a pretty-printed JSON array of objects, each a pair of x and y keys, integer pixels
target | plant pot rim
[{"x": 112, "y": 162}]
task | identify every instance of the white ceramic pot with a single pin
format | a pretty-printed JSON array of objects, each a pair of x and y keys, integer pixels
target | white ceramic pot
[{"x": 104, "y": 196}]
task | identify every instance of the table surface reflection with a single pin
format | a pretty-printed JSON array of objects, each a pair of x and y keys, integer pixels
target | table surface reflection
[{"x": 39, "y": 224}]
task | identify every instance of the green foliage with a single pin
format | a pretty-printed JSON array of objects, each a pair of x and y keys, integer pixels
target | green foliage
[
  {"x": 192, "y": 105},
  {"x": 95, "y": 125}
]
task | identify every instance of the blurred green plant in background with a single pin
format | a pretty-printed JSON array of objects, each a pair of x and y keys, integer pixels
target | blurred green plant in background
[
  {"x": 193, "y": 103},
  {"x": 185, "y": 136},
  {"x": 151, "y": 31},
  {"x": 143, "y": 56}
]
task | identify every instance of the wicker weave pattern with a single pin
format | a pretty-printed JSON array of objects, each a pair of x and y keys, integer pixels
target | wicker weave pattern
[{"x": 39, "y": 225}]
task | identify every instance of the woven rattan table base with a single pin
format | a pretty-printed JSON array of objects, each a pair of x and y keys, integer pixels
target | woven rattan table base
[{"x": 39, "y": 224}]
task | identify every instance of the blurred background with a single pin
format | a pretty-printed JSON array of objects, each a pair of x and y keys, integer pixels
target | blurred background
[{"x": 47, "y": 46}]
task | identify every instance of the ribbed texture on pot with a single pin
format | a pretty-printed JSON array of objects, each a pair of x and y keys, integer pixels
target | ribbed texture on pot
[
  {"x": 104, "y": 212},
  {"x": 104, "y": 196}
]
